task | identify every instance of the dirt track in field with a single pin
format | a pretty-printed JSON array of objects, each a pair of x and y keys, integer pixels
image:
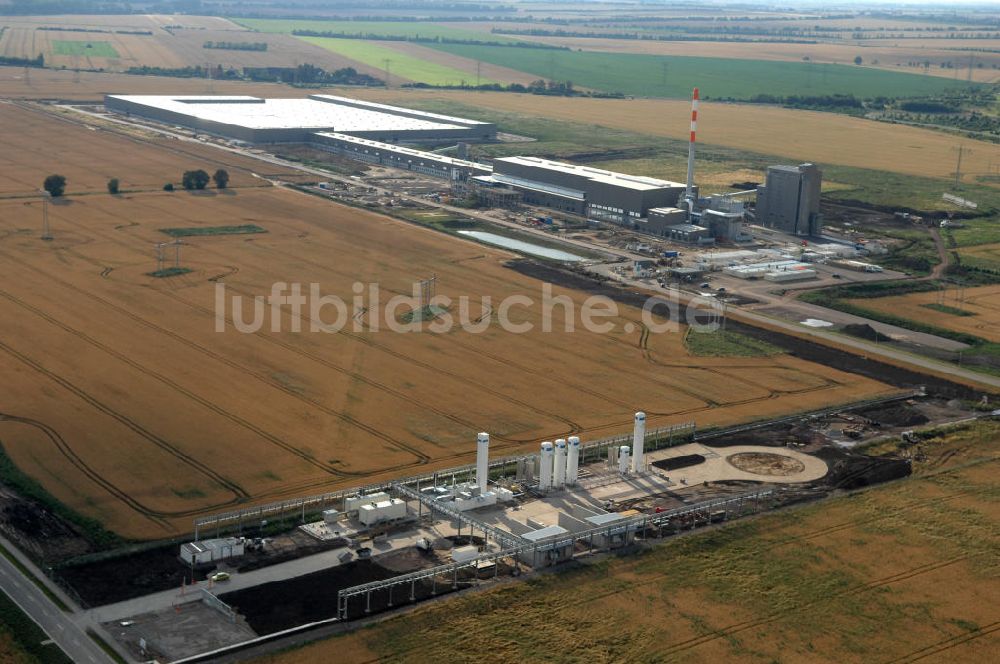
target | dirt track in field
[{"x": 125, "y": 403}]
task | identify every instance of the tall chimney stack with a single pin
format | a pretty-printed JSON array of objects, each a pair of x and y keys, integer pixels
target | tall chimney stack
[{"x": 689, "y": 191}]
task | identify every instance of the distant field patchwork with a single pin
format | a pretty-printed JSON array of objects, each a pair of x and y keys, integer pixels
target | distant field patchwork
[
  {"x": 401, "y": 65},
  {"x": 408, "y": 29},
  {"x": 675, "y": 76},
  {"x": 95, "y": 49}
]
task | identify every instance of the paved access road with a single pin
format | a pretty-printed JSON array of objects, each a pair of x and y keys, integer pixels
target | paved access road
[{"x": 59, "y": 626}]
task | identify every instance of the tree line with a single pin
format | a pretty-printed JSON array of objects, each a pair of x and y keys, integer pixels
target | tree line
[
  {"x": 55, "y": 184},
  {"x": 236, "y": 46}
]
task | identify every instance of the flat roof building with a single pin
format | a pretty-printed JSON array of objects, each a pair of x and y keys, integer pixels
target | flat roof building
[
  {"x": 259, "y": 120},
  {"x": 594, "y": 192}
]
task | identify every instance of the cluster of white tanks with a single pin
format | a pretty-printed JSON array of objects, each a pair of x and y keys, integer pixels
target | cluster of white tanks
[{"x": 559, "y": 463}]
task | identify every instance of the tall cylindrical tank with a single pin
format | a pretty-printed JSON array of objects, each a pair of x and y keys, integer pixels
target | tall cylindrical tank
[
  {"x": 623, "y": 459},
  {"x": 483, "y": 460},
  {"x": 545, "y": 467},
  {"x": 573, "y": 460},
  {"x": 559, "y": 464},
  {"x": 638, "y": 441}
]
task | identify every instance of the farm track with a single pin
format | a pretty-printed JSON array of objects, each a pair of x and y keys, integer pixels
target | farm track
[
  {"x": 511, "y": 442},
  {"x": 479, "y": 351},
  {"x": 149, "y": 373},
  {"x": 772, "y": 393},
  {"x": 736, "y": 628},
  {"x": 157, "y": 328},
  {"x": 64, "y": 448},
  {"x": 236, "y": 489},
  {"x": 948, "y": 644}
]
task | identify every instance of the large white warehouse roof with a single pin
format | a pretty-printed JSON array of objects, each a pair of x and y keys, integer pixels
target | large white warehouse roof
[
  {"x": 315, "y": 112},
  {"x": 637, "y": 182}
]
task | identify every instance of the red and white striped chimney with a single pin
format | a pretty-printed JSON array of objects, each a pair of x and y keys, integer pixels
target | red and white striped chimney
[{"x": 689, "y": 191}]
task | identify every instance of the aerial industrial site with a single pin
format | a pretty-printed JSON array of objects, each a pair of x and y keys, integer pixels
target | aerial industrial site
[{"x": 394, "y": 332}]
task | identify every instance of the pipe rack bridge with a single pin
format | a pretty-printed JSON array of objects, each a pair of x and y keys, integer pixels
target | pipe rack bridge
[{"x": 516, "y": 545}]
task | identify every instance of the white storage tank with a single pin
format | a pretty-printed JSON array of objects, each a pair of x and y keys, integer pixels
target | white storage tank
[
  {"x": 573, "y": 460},
  {"x": 638, "y": 441},
  {"x": 623, "y": 459},
  {"x": 483, "y": 460},
  {"x": 545, "y": 467},
  {"x": 559, "y": 464}
]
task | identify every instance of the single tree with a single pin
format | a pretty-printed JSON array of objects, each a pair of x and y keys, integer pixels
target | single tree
[
  {"x": 221, "y": 178},
  {"x": 858, "y": 60},
  {"x": 168, "y": 186},
  {"x": 113, "y": 186},
  {"x": 55, "y": 185},
  {"x": 195, "y": 179}
]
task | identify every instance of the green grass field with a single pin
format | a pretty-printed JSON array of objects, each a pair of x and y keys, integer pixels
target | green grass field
[
  {"x": 946, "y": 309},
  {"x": 213, "y": 230},
  {"x": 723, "y": 343},
  {"x": 93, "y": 49},
  {"x": 381, "y": 28},
  {"x": 402, "y": 65},
  {"x": 675, "y": 76}
]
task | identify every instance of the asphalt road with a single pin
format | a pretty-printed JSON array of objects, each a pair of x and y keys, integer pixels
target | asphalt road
[{"x": 58, "y": 625}]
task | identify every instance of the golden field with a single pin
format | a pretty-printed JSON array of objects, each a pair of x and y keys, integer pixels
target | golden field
[
  {"x": 127, "y": 405},
  {"x": 796, "y": 135},
  {"x": 981, "y": 306}
]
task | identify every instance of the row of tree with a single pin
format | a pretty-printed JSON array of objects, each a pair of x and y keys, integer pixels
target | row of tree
[{"x": 55, "y": 184}]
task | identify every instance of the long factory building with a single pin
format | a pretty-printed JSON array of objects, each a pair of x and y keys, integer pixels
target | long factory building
[
  {"x": 376, "y": 133},
  {"x": 257, "y": 120}
]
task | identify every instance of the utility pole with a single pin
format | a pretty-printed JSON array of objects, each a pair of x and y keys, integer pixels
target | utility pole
[
  {"x": 958, "y": 168},
  {"x": 46, "y": 231},
  {"x": 387, "y": 62},
  {"x": 479, "y": 67}
]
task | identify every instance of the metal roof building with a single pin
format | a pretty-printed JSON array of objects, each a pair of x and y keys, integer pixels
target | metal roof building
[
  {"x": 259, "y": 120},
  {"x": 594, "y": 192},
  {"x": 398, "y": 156}
]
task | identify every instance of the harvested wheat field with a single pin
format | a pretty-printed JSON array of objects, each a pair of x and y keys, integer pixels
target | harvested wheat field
[
  {"x": 792, "y": 134},
  {"x": 974, "y": 311},
  {"x": 156, "y": 41},
  {"x": 903, "y": 572},
  {"x": 18, "y": 83},
  {"x": 124, "y": 401},
  {"x": 34, "y": 145}
]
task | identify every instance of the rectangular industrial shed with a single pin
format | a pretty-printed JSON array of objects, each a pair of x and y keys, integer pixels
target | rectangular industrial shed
[
  {"x": 258, "y": 120},
  {"x": 594, "y": 192},
  {"x": 397, "y": 156}
]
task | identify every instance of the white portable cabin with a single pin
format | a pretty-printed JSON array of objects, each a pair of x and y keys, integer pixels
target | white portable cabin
[{"x": 211, "y": 550}]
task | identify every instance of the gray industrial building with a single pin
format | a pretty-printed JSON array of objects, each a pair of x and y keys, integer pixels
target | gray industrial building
[
  {"x": 789, "y": 199},
  {"x": 257, "y": 120},
  {"x": 398, "y": 156},
  {"x": 591, "y": 192}
]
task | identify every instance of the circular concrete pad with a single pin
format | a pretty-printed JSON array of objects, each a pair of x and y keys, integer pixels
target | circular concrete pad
[{"x": 766, "y": 463}]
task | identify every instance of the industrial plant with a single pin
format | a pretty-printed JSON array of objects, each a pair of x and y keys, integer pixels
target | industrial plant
[{"x": 383, "y": 135}]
